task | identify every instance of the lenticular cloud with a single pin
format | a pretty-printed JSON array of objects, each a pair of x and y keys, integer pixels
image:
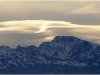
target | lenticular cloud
[
  {"x": 45, "y": 30},
  {"x": 27, "y": 25}
]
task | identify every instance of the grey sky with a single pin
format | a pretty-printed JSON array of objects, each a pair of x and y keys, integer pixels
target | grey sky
[
  {"x": 32, "y": 22},
  {"x": 81, "y": 12}
]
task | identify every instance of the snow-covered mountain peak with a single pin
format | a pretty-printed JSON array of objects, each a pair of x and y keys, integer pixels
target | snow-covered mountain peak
[
  {"x": 62, "y": 50},
  {"x": 64, "y": 39}
]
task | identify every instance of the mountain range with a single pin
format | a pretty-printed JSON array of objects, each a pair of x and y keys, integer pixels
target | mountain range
[{"x": 64, "y": 54}]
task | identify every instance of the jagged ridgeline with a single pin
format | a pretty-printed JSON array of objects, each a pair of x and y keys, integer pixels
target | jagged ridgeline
[{"x": 64, "y": 54}]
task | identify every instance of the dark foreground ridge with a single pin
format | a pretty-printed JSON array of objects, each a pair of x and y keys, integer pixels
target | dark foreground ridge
[{"x": 63, "y": 55}]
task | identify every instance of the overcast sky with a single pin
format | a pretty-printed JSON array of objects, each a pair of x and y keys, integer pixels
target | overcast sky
[{"x": 32, "y": 22}]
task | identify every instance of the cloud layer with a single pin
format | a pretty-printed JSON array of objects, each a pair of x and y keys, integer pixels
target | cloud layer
[
  {"x": 78, "y": 12},
  {"x": 91, "y": 9},
  {"x": 33, "y": 32}
]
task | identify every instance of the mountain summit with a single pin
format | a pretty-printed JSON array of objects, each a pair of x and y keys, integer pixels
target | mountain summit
[
  {"x": 62, "y": 51},
  {"x": 68, "y": 48},
  {"x": 64, "y": 38}
]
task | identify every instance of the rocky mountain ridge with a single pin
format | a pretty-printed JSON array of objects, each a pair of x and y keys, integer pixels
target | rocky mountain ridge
[{"x": 62, "y": 50}]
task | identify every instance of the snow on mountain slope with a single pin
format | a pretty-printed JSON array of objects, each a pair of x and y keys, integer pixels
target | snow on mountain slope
[
  {"x": 70, "y": 48},
  {"x": 62, "y": 50},
  {"x": 58, "y": 47},
  {"x": 19, "y": 57}
]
